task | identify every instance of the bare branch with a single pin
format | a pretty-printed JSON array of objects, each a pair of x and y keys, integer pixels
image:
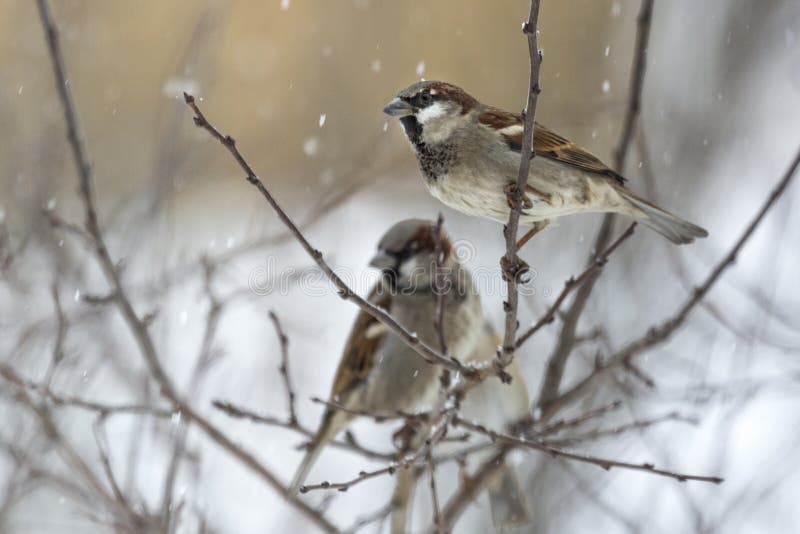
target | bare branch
[
  {"x": 438, "y": 282},
  {"x": 562, "y": 424},
  {"x": 349, "y": 445},
  {"x": 8, "y": 373},
  {"x": 435, "y": 430},
  {"x": 605, "y": 463},
  {"x": 643, "y": 23},
  {"x": 437, "y": 515},
  {"x": 529, "y": 28},
  {"x": 471, "y": 487},
  {"x": 574, "y": 283},
  {"x": 284, "y": 367},
  {"x": 594, "y": 435}
]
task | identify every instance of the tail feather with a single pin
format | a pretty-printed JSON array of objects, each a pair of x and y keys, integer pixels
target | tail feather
[
  {"x": 332, "y": 423},
  {"x": 507, "y": 500},
  {"x": 677, "y": 230},
  {"x": 313, "y": 452}
]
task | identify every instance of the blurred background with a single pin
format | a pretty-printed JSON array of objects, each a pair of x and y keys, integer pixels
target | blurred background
[{"x": 300, "y": 84}]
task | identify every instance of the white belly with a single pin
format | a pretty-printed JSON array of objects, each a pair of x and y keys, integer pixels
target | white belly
[{"x": 570, "y": 191}]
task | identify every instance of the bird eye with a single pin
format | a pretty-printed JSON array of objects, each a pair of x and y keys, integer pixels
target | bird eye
[{"x": 425, "y": 98}]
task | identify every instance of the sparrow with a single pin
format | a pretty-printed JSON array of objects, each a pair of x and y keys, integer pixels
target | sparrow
[
  {"x": 379, "y": 373},
  {"x": 469, "y": 155}
]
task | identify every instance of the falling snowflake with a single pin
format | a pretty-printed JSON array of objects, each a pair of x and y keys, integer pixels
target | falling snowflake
[
  {"x": 311, "y": 146},
  {"x": 420, "y": 68},
  {"x": 176, "y": 86},
  {"x": 285, "y": 5},
  {"x": 376, "y": 66},
  {"x": 606, "y": 86},
  {"x": 607, "y": 51},
  {"x": 322, "y": 118}
]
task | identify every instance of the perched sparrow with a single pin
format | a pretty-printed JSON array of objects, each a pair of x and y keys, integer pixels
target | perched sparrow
[
  {"x": 378, "y": 372},
  {"x": 469, "y": 154}
]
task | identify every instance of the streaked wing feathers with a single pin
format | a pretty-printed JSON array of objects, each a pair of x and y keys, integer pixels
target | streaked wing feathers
[
  {"x": 362, "y": 344},
  {"x": 546, "y": 143}
]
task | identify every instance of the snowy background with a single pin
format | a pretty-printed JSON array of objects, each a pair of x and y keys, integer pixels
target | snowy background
[{"x": 300, "y": 84}]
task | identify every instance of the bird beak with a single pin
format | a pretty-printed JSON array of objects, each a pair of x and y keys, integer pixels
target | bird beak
[
  {"x": 398, "y": 108},
  {"x": 382, "y": 261}
]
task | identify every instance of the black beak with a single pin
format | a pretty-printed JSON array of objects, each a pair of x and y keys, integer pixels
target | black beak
[
  {"x": 398, "y": 108},
  {"x": 383, "y": 261}
]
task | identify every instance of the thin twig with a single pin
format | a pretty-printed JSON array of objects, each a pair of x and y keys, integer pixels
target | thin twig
[
  {"x": 574, "y": 283},
  {"x": 441, "y": 287},
  {"x": 605, "y": 463},
  {"x": 643, "y": 24},
  {"x": 529, "y": 28},
  {"x": 437, "y": 515},
  {"x": 283, "y": 339},
  {"x": 558, "y": 426},
  {"x": 9, "y": 374},
  {"x": 436, "y": 430},
  {"x": 349, "y": 444},
  {"x": 595, "y": 435},
  {"x": 470, "y": 488},
  {"x": 378, "y": 516},
  {"x": 378, "y": 417},
  {"x": 439, "y": 283}
]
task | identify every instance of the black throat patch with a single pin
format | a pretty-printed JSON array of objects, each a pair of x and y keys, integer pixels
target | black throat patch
[{"x": 434, "y": 160}]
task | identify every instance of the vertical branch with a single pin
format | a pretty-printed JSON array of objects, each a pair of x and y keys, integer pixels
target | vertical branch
[
  {"x": 471, "y": 487},
  {"x": 566, "y": 340},
  {"x": 284, "y": 368},
  {"x": 440, "y": 285},
  {"x": 526, "y": 154},
  {"x": 439, "y": 282},
  {"x": 643, "y": 24},
  {"x": 437, "y": 516}
]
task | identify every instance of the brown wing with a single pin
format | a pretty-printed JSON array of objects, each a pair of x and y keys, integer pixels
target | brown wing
[
  {"x": 359, "y": 352},
  {"x": 546, "y": 143}
]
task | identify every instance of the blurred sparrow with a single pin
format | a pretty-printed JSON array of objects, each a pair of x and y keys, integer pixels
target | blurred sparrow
[
  {"x": 469, "y": 154},
  {"x": 379, "y": 373}
]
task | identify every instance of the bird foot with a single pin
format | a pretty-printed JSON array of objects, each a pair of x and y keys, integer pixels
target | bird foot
[
  {"x": 523, "y": 201},
  {"x": 513, "y": 271}
]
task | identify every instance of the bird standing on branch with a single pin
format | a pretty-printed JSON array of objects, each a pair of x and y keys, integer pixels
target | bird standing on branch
[{"x": 469, "y": 154}]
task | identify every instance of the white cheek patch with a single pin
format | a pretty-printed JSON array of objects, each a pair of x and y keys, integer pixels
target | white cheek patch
[
  {"x": 432, "y": 112},
  {"x": 415, "y": 267}
]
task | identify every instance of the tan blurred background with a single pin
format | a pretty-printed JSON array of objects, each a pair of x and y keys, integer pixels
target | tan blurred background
[{"x": 268, "y": 74}]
